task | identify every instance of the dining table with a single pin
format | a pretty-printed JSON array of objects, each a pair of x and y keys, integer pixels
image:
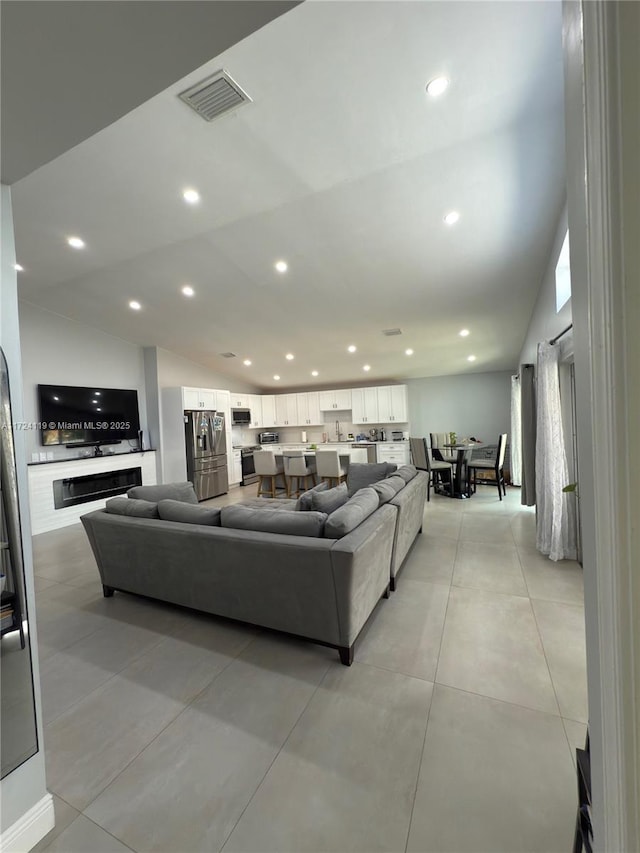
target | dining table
[{"x": 461, "y": 487}]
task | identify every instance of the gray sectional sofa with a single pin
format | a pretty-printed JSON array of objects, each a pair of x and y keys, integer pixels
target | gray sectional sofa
[{"x": 282, "y": 565}]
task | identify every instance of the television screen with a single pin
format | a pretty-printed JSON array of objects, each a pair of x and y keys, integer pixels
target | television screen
[{"x": 71, "y": 415}]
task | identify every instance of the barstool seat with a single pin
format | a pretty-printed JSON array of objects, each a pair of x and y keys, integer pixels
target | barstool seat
[
  {"x": 268, "y": 468},
  {"x": 297, "y": 468},
  {"x": 329, "y": 468}
]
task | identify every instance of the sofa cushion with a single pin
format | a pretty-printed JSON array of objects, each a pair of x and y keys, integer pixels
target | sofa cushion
[
  {"x": 330, "y": 500},
  {"x": 396, "y": 483},
  {"x": 385, "y": 491},
  {"x": 271, "y": 503},
  {"x": 407, "y": 472},
  {"x": 362, "y": 474},
  {"x": 304, "y": 501},
  {"x": 170, "y": 510},
  {"x": 129, "y": 506},
  {"x": 347, "y": 517},
  {"x": 166, "y": 491},
  {"x": 273, "y": 521}
]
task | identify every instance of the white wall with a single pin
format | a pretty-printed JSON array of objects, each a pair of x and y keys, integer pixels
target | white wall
[
  {"x": 25, "y": 788},
  {"x": 475, "y": 404},
  {"x": 545, "y": 322},
  {"x": 56, "y": 350}
]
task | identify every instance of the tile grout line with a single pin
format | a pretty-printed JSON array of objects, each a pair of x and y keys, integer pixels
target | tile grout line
[{"x": 266, "y": 772}]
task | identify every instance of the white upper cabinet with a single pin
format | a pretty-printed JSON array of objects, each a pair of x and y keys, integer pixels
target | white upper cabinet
[
  {"x": 392, "y": 404},
  {"x": 365, "y": 406},
  {"x": 269, "y": 410},
  {"x": 254, "y": 402},
  {"x": 286, "y": 410},
  {"x": 198, "y": 398},
  {"x": 309, "y": 409},
  {"x": 240, "y": 400},
  {"x": 338, "y": 399}
]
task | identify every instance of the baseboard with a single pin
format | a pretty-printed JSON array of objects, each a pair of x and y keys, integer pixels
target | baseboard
[{"x": 30, "y": 828}]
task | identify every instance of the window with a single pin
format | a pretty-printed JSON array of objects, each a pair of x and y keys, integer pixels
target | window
[{"x": 563, "y": 276}]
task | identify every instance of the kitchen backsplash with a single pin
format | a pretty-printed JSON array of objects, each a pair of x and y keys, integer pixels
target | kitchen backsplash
[{"x": 246, "y": 435}]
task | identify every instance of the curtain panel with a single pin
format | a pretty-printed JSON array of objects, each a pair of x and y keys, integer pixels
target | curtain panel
[
  {"x": 555, "y": 524},
  {"x": 528, "y": 434},
  {"x": 516, "y": 430}
]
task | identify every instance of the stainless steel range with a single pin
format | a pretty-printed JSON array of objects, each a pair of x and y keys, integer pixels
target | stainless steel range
[{"x": 248, "y": 468}]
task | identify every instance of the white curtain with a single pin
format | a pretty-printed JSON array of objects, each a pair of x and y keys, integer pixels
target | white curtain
[
  {"x": 516, "y": 431},
  {"x": 555, "y": 525}
]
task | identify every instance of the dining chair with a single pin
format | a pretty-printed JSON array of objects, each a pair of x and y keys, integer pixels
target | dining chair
[
  {"x": 439, "y": 452},
  {"x": 423, "y": 461},
  {"x": 297, "y": 468},
  {"x": 329, "y": 468},
  {"x": 496, "y": 465},
  {"x": 268, "y": 468}
]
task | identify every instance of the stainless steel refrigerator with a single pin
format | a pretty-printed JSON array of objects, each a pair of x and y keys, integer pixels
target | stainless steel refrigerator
[{"x": 206, "y": 445}]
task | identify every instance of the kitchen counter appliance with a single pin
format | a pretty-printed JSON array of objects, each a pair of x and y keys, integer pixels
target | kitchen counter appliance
[
  {"x": 268, "y": 437},
  {"x": 206, "y": 446}
]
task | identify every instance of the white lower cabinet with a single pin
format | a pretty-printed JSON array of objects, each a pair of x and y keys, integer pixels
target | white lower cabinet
[
  {"x": 236, "y": 471},
  {"x": 397, "y": 452}
]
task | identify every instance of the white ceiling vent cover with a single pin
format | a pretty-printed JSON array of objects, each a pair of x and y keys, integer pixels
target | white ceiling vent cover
[
  {"x": 391, "y": 332},
  {"x": 228, "y": 355},
  {"x": 214, "y": 96}
]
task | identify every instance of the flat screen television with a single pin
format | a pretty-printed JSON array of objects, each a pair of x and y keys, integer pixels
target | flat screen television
[{"x": 87, "y": 416}]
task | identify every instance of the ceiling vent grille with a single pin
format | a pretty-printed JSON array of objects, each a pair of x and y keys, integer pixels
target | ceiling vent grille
[
  {"x": 228, "y": 355},
  {"x": 391, "y": 332},
  {"x": 214, "y": 96}
]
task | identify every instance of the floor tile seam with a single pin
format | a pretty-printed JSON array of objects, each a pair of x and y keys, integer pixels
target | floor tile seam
[
  {"x": 115, "y": 837},
  {"x": 383, "y": 668},
  {"x": 131, "y": 760},
  {"x": 544, "y": 652},
  {"x": 444, "y": 619},
  {"x": 418, "y": 774},
  {"x": 578, "y": 605},
  {"x": 68, "y": 645},
  {"x": 569, "y": 744},
  {"x": 275, "y": 757},
  {"x": 106, "y": 680},
  {"x": 497, "y": 699}
]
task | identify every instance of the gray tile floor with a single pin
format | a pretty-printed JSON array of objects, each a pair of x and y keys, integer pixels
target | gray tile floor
[{"x": 454, "y": 730}]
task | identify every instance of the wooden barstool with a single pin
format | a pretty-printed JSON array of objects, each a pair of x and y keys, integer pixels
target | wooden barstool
[
  {"x": 296, "y": 468},
  {"x": 268, "y": 468},
  {"x": 329, "y": 468}
]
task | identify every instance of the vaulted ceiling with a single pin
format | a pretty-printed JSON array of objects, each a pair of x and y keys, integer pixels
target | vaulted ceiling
[{"x": 342, "y": 166}]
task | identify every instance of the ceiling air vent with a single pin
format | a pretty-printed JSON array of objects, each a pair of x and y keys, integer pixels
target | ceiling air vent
[
  {"x": 391, "y": 332},
  {"x": 228, "y": 355},
  {"x": 214, "y": 96}
]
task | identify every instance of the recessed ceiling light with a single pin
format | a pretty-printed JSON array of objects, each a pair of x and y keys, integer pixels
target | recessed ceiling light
[
  {"x": 281, "y": 266},
  {"x": 289, "y": 356},
  {"x": 94, "y": 401},
  {"x": 276, "y": 377},
  {"x": 247, "y": 362},
  {"x": 314, "y": 372},
  {"x": 75, "y": 242},
  {"x": 188, "y": 290},
  {"x": 452, "y": 217},
  {"x": 135, "y": 305},
  {"x": 56, "y": 398},
  {"x": 408, "y": 352},
  {"x": 97, "y": 393},
  {"x": 463, "y": 333},
  {"x": 367, "y": 367},
  {"x": 98, "y": 409},
  {"x": 191, "y": 196},
  {"x": 351, "y": 348},
  {"x": 437, "y": 86},
  {"x": 18, "y": 268},
  {"x": 471, "y": 358}
]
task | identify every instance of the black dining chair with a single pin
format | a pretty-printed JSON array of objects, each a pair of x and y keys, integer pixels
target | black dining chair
[
  {"x": 496, "y": 465},
  {"x": 423, "y": 462}
]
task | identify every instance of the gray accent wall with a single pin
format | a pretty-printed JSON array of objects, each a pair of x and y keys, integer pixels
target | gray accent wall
[
  {"x": 474, "y": 404},
  {"x": 56, "y": 350}
]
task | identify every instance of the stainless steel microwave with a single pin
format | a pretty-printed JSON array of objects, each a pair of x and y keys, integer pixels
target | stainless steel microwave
[
  {"x": 240, "y": 417},
  {"x": 268, "y": 437}
]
